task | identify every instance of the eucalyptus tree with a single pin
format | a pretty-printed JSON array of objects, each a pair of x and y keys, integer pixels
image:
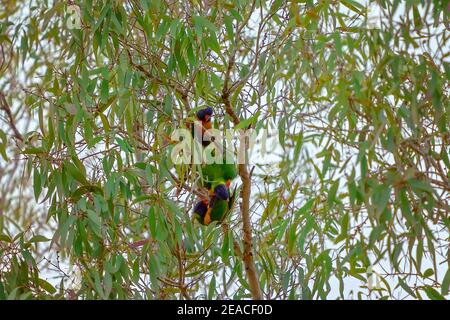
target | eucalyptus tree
[{"x": 354, "y": 202}]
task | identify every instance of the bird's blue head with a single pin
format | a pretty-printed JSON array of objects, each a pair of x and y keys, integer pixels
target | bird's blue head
[
  {"x": 205, "y": 114},
  {"x": 209, "y": 111},
  {"x": 221, "y": 192}
]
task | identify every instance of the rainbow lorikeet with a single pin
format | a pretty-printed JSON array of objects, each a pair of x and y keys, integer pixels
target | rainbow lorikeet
[
  {"x": 217, "y": 179},
  {"x": 214, "y": 209}
]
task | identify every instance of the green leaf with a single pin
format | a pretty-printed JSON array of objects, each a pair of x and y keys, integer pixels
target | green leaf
[
  {"x": 39, "y": 238},
  {"x": 292, "y": 239},
  {"x": 433, "y": 294},
  {"x": 203, "y": 22},
  {"x": 3, "y": 141},
  {"x": 95, "y": 222},
  {"x": 332, "y": 193},
  {"x": 244, "y": 124},
  {"x": 344, "y": 228},
  {"x": 5, "y": 238},
  {"x": 306, "y": 229},
  {"x": 353, "y": 5},
  {"x": 104, "y": 91},
  {"x": 417, "y": 18},
  {"x": 46, "y": 286},
  {"x": 225, "y": 246},
  {"x": 13, "y": 294},
  {"x": 446, "y": 283},
  {"x": 34, "y": 151},
  {"x": 168, "y": 104},
  {"x": 229, "y": 26},
  {"x": 428, "y": 273},
  {"x": 37, "y": 186},
  {"x": 212, "y": 287},
  {"x": 420, "y": 185},
  {"x": 94, "y": 217},
  {"x": 381, "y": 197},
  {"x": 406, "y": 288},
  {"x": 108, "y": 284},
  {"x": 76, "y": 173}
]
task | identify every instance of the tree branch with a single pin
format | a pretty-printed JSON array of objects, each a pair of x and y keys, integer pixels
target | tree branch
[
  {"x": 250, "y": 268},
  {"x": 249, "y": 263},
  {"x": 175, "y": 86},
  {"x": 5, "y": 107}
]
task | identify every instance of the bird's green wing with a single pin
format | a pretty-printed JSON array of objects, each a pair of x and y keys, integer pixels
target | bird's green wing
[
  {"x": 229, "y": 171},
  {"x": 212, "y": 175},
  {"x": 230, "y": 204},
  {"x": 219, "y": 210}
]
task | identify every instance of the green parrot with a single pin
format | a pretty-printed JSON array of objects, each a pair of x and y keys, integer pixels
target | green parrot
[
  {"x": 216, "y": 209},
  {"x": 216, "y": 177},
  {"x": 216, "y": 174}
]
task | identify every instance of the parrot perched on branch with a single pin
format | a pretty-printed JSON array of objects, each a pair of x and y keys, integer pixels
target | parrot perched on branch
[
  {"x": 216, "y": 177},
  {"x": 216, "y": 174},
  {"x": 214, "y": 209}
]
